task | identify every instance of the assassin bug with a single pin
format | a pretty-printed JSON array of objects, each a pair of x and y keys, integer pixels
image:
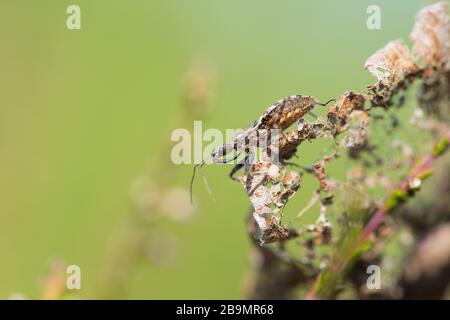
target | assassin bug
[{"x": 281, "y": 115}]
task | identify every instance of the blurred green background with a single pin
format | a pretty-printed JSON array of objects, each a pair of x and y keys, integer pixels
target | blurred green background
[{"x": 83, "y": 113}]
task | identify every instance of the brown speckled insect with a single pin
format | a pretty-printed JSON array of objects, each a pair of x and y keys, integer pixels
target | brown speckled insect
[
  {"x": 286, "y": 146},
  {"x": 281, "y": 115}
]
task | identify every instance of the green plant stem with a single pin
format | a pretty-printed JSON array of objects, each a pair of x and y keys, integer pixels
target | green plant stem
[{"x": 393, "y": 201}]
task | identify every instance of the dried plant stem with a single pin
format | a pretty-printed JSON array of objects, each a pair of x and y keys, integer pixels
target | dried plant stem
[{"x": 272, "y": 276}]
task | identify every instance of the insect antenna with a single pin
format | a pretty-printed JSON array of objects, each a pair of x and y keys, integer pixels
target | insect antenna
[
  {"x": 324, "y": 104},
  {"x": 205, "y": 181},
  {"x": 192, "y": 179}
]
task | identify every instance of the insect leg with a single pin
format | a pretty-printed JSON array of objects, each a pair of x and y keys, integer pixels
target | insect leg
[
  {"x": 306, "y": 169},
  {"x": 237, "y": 167},
  {"x": 193, "y": 177}
]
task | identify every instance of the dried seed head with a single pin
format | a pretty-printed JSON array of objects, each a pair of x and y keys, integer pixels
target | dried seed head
[
  {"x": 431, "y": 35},
  {"x": 286, "y": 146},
  {"x": 392, "y": 63},
  {"x": 339, "y": 114},
  {"x": 319, "y": 173},
  {"x": 357, "y": 141}
]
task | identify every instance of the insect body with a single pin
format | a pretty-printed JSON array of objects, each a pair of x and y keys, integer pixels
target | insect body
[
  {"x": 286, "y": 146},
  {"x": 286, "y": 112},
  {"x": 281, "y": 115}
]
